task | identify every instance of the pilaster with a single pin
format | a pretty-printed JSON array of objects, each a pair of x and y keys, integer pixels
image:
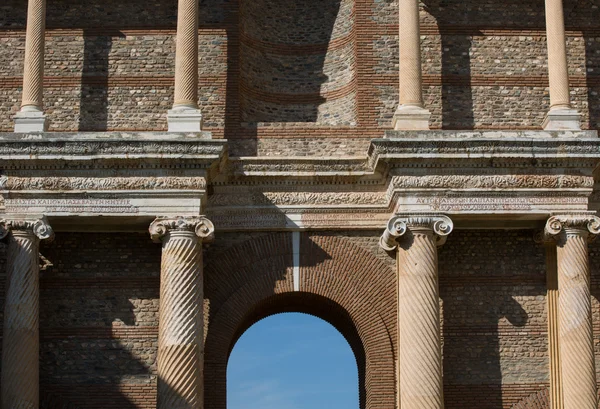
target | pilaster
[
  {"x": 20, "y": 340},
  {"x": 180, "y": 357}
]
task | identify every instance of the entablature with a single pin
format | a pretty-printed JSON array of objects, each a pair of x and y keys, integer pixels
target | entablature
[{"x": 473, "y": 176}]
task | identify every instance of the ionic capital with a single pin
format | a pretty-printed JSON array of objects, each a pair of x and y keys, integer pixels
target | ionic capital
[
  {"x": 198, "y": 225},
  {"x": 579, "y": 224},
  {"x": 439, "y": 225},
  {"x": 36, "y": 227}
]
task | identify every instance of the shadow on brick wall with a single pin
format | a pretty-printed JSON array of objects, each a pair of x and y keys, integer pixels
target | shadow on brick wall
[
  {"x": 487, "y": 293},
  {"x": 93, "y": 115},
  {"x": 457, "y": 97}
]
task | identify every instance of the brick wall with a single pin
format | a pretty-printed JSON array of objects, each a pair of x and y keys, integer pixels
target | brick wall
[{"x": 271, "y": 72}]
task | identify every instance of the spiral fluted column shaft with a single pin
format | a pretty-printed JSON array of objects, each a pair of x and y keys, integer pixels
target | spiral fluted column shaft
[
  {"x": 557, "y": 55},
  {"x": 410, "y": 54},
  {"x": 420, "y": 356},
  {"x": 186, "y": 58},
  {"x": 20, "y": 340},
  {"x": 180, "y": 355},
  {"x": 33, "y": 73},
  {"x": 575, "y": 321},
  {"x": 180, "y": 359}
]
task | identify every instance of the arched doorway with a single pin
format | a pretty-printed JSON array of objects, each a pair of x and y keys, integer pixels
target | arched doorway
[
  {"x": 340, "y": 282},
  {"x": 294, "y": 361}
]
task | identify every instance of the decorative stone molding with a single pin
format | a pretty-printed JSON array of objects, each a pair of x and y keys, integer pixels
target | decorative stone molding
[
  {"x": 292, "y": 198},
  {"x": 493, "y": 181},
  {"x": 398, "y": 225},
  {"x": 101, "y": 183},
  {"x": 583, "y": 224},
  {"x": 199, "y": 225},
  {"x": 37, "y": 227}
]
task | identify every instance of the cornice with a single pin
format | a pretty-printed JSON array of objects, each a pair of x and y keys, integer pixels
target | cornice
[
  {"x": 485, "y": 149},
  {"x": 112, "y": 150}
]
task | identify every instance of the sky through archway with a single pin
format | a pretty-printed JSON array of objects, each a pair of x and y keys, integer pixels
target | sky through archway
[{"x": 292, "y": 361}]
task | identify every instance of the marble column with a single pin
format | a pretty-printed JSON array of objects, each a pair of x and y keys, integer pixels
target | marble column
[
  {"x": 561, "y": 115},
  {"x": 575, "y": 336},
  {"x": 20, "y": 341},
  {"x": 31, "y": 117},
  {"x": 416, "y": 238},
  {"x": 410, "y": 114},
  {"x": 185, "y": 115},
  {"x": 180, "y": 357}
]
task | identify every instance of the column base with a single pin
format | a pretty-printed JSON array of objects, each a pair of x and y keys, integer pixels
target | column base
[
  {"x": 184, "y": 120},
  {"x": 562, "y": 119},
  {"x": 411, "y": 118},
  {"x": 27, "y": 121}
]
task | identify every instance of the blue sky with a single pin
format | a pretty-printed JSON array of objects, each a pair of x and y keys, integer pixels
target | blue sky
[{"x": 292, "y": 361}]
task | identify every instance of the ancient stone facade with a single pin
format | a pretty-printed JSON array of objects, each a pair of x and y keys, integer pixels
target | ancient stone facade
[{"x": 423, "y": 176}]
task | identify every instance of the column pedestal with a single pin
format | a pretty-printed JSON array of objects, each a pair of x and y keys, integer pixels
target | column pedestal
[
  {"x": 420, "y": 354},
  {"x": 20, "y": 342},
  {"x": 180, "y": 359}
]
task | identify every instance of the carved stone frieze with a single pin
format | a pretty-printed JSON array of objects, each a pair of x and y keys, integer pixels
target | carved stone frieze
[
  {"x": 108, "y": 148},
  {"x": 199, "y": 225},
  {"x": 398, "y": 225},
  {"x": 101, "y": 183},
  {"x": 493, "y": 181},
  {"x": 298, "y": 198}
]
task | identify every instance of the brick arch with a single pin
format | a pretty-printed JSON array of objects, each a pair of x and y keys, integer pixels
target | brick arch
[
  {"x": 341, "y": 283},
  {"x": 538, "y": 400}
]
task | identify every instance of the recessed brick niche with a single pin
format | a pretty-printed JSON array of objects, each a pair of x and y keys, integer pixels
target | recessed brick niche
[{"x": 297, "y": 62}]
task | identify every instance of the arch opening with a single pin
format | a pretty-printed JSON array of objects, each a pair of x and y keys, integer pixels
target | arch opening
[
  {"x": 292, "y": 360},
  {"x": 324, "y": 318}
]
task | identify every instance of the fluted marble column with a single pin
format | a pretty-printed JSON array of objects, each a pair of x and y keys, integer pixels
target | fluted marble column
[
  {"x": 561, "y": 115},
  {"x": 410, "y": 114},
  {"x": 180, "y": 357},
  {"x": 185, "y": 115},
  {"x": 416, "y": 238},
  {"x": 20, "y": 342},
  {"x": 576, "y": 343},
  {"x": 31, "y": 117}
]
